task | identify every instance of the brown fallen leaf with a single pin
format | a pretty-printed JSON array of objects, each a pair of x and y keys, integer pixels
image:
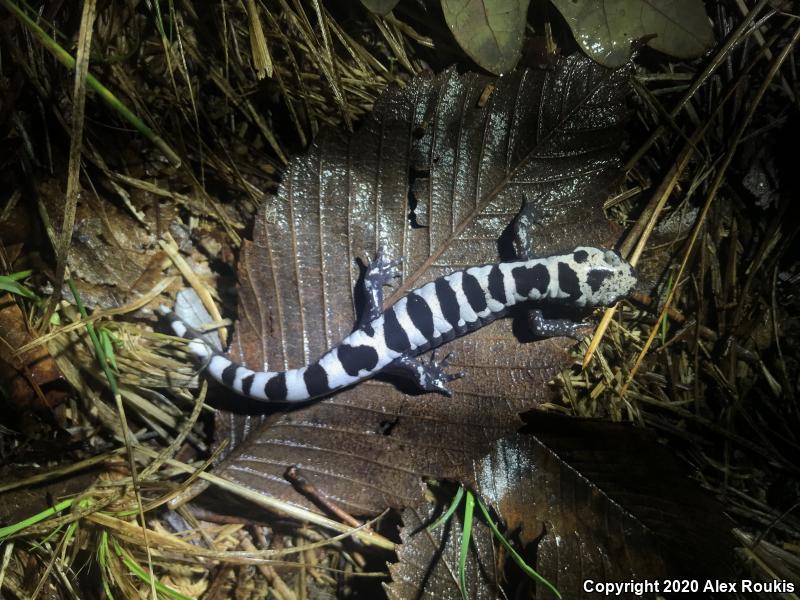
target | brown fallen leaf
[
  {"x": 25, "y": 376},
  {"x": 584, "y": 501},
  {"x": 603, "y": 501},
  {"x": 427, "y": 561},
  {"x": 112, "y": 259},
  {"x": 437, "y": 176}
]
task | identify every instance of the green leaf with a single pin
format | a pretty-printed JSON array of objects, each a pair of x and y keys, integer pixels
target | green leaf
[
  {"x": 491, "y": 32},
  {"x": 19, "y": 275},
  {"x": 380, "y": 7},
  {"x": 9, "y": 283},
  {"x": 605, "y": 29}
]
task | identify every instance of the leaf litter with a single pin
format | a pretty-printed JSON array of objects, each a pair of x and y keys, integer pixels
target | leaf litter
[
  {"x": 718, "y": 375},
  {"x": 369, "y": 447}
]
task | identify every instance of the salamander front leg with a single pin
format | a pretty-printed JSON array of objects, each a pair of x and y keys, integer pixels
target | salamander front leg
[
  {"x": 544, "y": 328},
  {"x": 380, "y": 272},
  {"x": 430, "y": 377},
  {"x": 524, "y": 224}
]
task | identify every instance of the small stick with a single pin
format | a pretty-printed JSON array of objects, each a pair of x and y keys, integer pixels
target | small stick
[{"x": 295, "y": 476}]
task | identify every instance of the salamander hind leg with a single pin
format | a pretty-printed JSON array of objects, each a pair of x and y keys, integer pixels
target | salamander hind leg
[
  {"x": 544, "y": 328},
  {"x": 430, "y": 377},
  {"x": 380, "y": 272}
]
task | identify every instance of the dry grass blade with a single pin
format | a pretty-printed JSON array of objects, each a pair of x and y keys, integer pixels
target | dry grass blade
[
  {"x": 74, "y": 169},
  {"x": 262, "y": 61},
  {"x": 362, "y": 533},
  {"x": 720, "y": 55},
  {"x": 59, "y": 472},
  {"x": 171, "y": 248},
  {"x": 641, "y": 231},
  {"x": 236, "y": 91},
  {"x": 104, "y": 93},
  {"x": 712, "y": 194}
]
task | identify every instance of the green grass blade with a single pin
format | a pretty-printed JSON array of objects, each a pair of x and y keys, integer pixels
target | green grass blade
[
  {"x": 19, "y": 275},
  {"x": 148, "y": 578},
  {"x": 466, "y": 534},
  {"x": 68, "y": 537},
  {"x": 39, "y": 543},
  {"x": 108, "y": 348},
  {"x": 66, "y": 59},
  {"x": 450, "y": 510},
  {"x": 10, "y": 530},
  {"x": 102, "y": 560},
  {"x": 513, "y": 553},
  {"x": 98, "y": 346}
]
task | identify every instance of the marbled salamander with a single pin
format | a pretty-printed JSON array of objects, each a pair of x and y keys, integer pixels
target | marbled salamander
[{"x": 386, "y": 341}]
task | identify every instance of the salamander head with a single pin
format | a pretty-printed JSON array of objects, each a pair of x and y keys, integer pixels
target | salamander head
[{"x": 603, "y": 276}]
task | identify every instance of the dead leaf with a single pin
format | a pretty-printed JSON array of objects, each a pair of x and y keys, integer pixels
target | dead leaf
[
  {"x": 112, "y": 259},
  {"x": 552, "y": 135},
  {"x": 25, "y": 377},
  {"x": 603, "y": 501},
  {"x": 427, "y": 561},
  {"x": 584, "y": 500}
]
